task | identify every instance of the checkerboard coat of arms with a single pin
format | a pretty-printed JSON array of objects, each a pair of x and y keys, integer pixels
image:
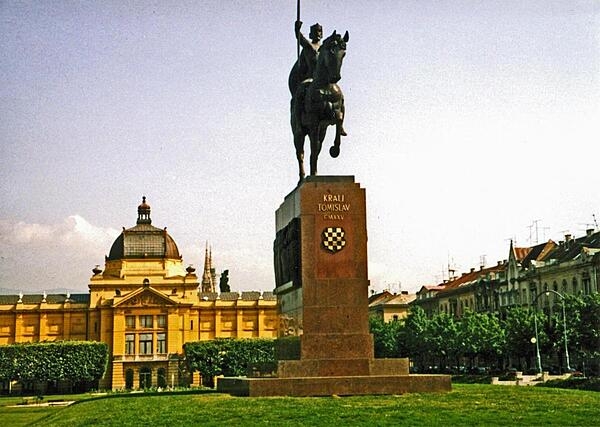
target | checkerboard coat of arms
[{"x": 333, "y": 239}]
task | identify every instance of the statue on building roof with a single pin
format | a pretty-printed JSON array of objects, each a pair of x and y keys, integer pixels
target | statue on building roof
[{"x": 224, "y": 282}]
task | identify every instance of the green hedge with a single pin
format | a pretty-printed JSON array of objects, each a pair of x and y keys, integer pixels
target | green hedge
[
  {"x": 591, "y": 384},
  {"x": 228, "y": 356},
  {"x": 54, "y": 361}
]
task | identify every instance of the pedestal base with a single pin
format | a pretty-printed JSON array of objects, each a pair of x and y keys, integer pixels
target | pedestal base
[{"x": 328, "y": 386}]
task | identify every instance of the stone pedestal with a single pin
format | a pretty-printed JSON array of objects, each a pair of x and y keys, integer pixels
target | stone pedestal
[
  {"x": 320, "y": 257},
  {"x": 327, "y": 302}
]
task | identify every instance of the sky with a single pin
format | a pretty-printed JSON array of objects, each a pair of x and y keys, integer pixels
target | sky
[{"x": 470, "y": 123}]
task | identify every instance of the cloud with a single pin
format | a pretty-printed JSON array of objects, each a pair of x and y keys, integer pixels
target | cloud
[
  {"x": 74, "y": 230},
  {"x": 44, "y": 256}
]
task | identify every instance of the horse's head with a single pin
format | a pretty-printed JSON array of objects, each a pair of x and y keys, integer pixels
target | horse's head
[{"x": 331, "y": 55}]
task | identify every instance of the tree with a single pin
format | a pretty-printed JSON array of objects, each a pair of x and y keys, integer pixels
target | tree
[
  {"x": 385, "y": 336},
  {"x": 443, "y": 339},
  {"x": 414, "y": 337},
  {"x": 590, "y": 331},
  {"x": 481, "y": 336},
  {"x": 228, "y": 356},
  {"x": 520, "y": 329}
]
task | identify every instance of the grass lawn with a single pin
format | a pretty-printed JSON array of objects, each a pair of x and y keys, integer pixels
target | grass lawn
[{"x": 467, "y": 404}]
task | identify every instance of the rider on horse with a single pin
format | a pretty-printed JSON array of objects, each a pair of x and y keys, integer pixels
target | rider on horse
[{"x": 304, "y": 68}]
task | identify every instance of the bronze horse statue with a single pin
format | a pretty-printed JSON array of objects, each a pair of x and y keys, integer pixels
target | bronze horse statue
[{"x": 319, "y": 102}]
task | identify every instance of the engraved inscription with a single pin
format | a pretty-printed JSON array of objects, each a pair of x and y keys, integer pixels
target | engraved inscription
[{"x": 333, "y": 206}]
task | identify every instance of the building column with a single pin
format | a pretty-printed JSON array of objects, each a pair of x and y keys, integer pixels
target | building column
[
  {"x": 260, "y": 322},
  {"x": 18, "y": 327},
  {"x": 239, "y": 322},
  {"x": 217, "y": 322}
]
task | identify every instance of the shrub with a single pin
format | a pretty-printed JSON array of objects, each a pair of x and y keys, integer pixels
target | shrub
[
  {"x": 54, "y": 361},
  {"x": 228, "y": 356},
  {"x": 591, "y": 384}
]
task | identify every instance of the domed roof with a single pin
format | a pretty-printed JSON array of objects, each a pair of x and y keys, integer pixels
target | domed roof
[{"x": 144, "y": 240}]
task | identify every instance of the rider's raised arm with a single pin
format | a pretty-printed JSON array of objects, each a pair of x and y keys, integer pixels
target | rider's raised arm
[{"x": 301, "y": 39}]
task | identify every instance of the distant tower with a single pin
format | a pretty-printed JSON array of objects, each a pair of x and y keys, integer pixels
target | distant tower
[{"x": 208, "y": 282}]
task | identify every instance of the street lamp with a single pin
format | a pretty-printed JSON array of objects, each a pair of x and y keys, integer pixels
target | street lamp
[{"x": 537, "y": 345}]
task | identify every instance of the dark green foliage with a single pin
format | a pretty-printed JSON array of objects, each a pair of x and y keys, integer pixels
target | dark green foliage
[
  {"x": 385, "y": 337},
  {"x": 471, "y": 379},
  {"x": 520, "y": 329},
  {"x": 443, "y": 339},
  {"x": 414, "y": 337},
  {"x": 590, "y": 325},
  {"x": 591, "y": 384},
  {"x": 481, "y": 335},
  {"x": 54, "y": 361},
  {"x": 227, "y": 356}
]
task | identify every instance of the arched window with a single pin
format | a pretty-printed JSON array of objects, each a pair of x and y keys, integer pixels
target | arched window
[
  {"x": 145, "y": 377},
  {"x": 161, "y": 379},
  {"x": 129, "y": 379},
  {"x": 575, "y": 286}
]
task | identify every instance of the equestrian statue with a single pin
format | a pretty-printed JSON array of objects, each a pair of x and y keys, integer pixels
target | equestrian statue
[{"x": 317, "y": 100}]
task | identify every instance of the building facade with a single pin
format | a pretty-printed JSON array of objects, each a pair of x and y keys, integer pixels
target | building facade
[
  {"x": 145, "y": 305},
  {"x": 389, "y": 307},
  {"x": 571, "y": 266}
]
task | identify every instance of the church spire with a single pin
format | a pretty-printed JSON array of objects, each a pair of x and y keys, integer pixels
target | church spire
[{"x": 208, "y": 284}]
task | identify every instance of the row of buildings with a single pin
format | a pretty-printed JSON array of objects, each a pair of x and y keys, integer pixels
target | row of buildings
[
  {"x": 550, "y": 269},
  {"x": 145, "y": 304}
]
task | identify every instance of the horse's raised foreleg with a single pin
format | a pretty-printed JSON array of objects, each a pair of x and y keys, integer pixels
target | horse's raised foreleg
[{"x": 334, "y": 151}]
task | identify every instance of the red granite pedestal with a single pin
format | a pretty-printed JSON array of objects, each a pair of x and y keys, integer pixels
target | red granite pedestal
[{"x": 322, "y": 290}]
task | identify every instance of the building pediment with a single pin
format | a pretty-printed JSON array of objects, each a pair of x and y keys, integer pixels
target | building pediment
[{"x": 145, "y": 297}]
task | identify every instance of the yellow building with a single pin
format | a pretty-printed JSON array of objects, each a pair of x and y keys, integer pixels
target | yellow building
[
  {"x": 145, "y": 305},
  {"x": 390, "y": 307}
]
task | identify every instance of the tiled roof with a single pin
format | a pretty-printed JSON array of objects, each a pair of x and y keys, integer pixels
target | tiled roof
[
  {"x": 472, "y": 276},
  {"x": 269, "y": 296},
  {"x": 521, "y": 253},
  {"x": 537, "y": 253},
  {"x": 250, "y": 295},
  {"x": 402, "y": 299},
  {"x": 208, "y": 296},
  {"x": 50, "y": 299},
  {"x": 572, "y": 248},
  {"x": 434, "y": 287},
  {"x": 426, "y": 289},
  {"x": 376, "y": 298},
  {"x": 229, "y": 296}
]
